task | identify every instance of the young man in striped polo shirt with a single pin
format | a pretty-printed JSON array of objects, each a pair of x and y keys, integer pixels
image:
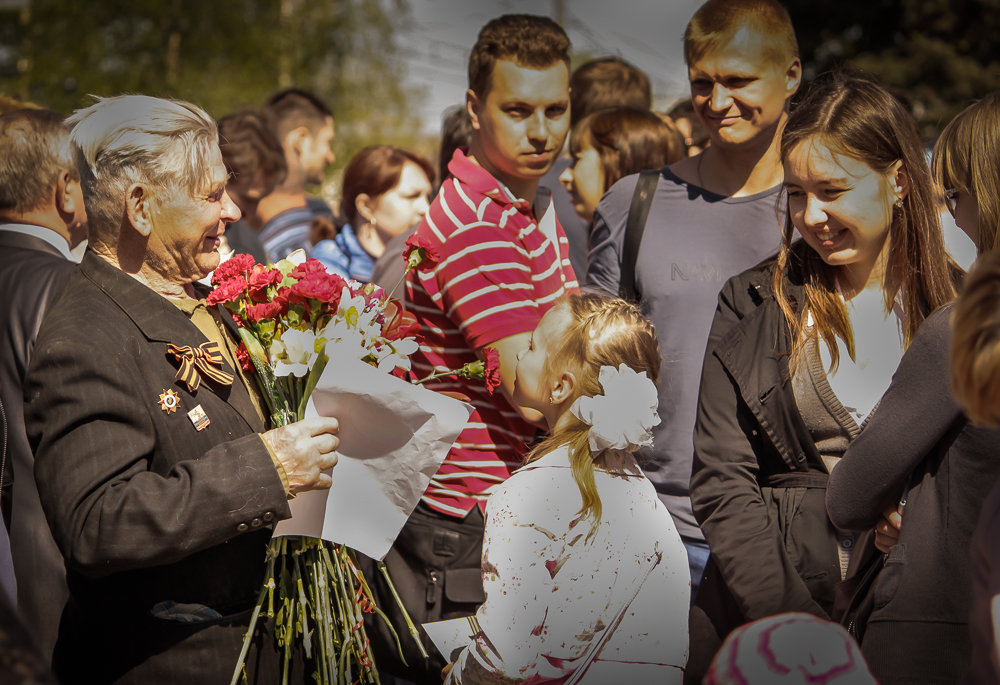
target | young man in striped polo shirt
[{"x": 504, "y": 261}]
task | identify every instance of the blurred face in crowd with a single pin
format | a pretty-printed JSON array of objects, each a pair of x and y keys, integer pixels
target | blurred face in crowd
[
  {"x": 965, "y": 209},
  {"x": 585, "y": 181},
  {"x": 315, "y": 153},
  {"x": 840, "y": 205},
  {"x": 739, "y": 89},
  {"x": 396, "y": 210},
  {"x": 520, "y": 124},
  {"x": 247, "y": 193},
  {"x": 187, "y": 228}
]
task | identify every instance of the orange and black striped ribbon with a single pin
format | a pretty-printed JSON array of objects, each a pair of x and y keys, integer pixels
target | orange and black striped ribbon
[{"x": 204, "y": 358}]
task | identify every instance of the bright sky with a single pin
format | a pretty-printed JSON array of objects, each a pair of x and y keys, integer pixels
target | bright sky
[{"x": 647, "y": 33}]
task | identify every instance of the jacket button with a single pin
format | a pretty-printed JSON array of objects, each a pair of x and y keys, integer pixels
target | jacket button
[
  {"x": 268, "y": 516},
  {"x": 242, "y": 528},
  {"x": 255, "y": 523}
]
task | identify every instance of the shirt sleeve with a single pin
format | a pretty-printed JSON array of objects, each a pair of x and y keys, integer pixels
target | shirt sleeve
[
  {"x": 486, "y": 286},
  {"x": 918, "y": 404}
]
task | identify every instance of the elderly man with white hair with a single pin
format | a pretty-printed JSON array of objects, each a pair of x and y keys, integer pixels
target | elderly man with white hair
[{"x": 160, "y": 490}]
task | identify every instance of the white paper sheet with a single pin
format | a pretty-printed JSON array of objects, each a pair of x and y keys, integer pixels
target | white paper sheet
[
  {"x": 450, "y": 636},
  {"x": 393, "y": 437}
]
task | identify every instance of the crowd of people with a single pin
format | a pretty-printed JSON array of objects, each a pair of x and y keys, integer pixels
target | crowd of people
[{"x": 748, "y": 403}]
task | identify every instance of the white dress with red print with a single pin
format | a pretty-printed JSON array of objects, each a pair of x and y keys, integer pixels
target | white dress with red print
[{"x": 552, "y": 594}]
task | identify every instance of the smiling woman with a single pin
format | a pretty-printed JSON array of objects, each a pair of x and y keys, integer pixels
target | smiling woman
[{"x": 812, "y": 338}]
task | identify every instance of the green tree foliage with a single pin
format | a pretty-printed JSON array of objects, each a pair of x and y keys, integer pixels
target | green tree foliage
[
  {"x": 940, "y": 55},
  {"x": 220, "y": 55}
]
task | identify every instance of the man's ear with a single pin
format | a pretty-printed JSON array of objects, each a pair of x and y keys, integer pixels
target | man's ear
[
  {"x": 295, "y": 139},
  {"x": 67, "y": 192},
  {"x": 563, "y": 387},
  {"x": 472, "y": 107},
  {"x": 138, "y": 209}
]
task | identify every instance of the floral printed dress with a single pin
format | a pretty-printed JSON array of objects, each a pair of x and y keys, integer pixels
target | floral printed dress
[{"x": 554, "y": 597}]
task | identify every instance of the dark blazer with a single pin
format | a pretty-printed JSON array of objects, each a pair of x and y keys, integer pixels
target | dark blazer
[
  {"x": 148, "y": 511},
  {"x": 31, "y": 272},
  {"x": 918, "y": 630},
  {"x": 757, "y": 484}
]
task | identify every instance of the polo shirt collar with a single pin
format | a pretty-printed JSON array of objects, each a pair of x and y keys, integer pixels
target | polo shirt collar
[{"x": 481, "y": 181}]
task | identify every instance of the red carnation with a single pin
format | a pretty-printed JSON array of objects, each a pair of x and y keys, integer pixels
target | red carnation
[
  {"x": 228, "y": 290},
  {"x": 235, "y": 266},
  {"x": 261, "y": 277},
  {"x": 288, "y": 297},
  {"x": 309, "y": 267},
  {"x": 320, "y": 286},
  {"x": 264, "y": 310},
  {"x": 492, "y": 372},
  {"x": 243, "y": 357},
  {"x": 419, "y": 254}
]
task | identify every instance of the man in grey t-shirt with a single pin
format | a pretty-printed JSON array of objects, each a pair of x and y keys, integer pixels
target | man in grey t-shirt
[{"x": 712, "y": 216}]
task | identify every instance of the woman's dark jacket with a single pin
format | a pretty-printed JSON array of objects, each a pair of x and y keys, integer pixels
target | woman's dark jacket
[
  {"x": 918, "y": 630},
  {"x": 757, "y": 485}
]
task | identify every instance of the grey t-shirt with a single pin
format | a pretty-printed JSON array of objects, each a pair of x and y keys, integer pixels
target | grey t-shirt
[{"x": 694, "y": 242}]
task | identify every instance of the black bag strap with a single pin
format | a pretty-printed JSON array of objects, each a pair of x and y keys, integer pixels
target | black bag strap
[{"x": 642, "y": 198}]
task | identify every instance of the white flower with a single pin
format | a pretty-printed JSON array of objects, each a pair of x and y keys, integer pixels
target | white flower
[
  {"x": 624, "y": 416},
  {"x": 297, "y": 257},
  {"x": 294, "y": 353}
]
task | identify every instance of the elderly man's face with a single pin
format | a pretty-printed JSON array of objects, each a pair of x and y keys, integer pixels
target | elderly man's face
[{"x": 184, "y": 243}]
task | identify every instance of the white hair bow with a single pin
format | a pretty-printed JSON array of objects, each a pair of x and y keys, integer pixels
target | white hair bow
[{"x": 623, "y": 417}]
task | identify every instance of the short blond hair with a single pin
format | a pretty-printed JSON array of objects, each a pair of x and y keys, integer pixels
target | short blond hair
[
  {"x": 717, "y": 21},
  {"x": 975, "y": 344},
  {"x": 119, "y": 141}
]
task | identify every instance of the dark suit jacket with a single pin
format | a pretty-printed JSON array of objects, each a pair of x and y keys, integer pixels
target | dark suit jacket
[
  {"x": 31, "y": 272},
  {"x": 148, "y": 511}
]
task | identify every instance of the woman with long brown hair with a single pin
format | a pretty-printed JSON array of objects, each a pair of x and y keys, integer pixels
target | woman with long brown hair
[
  {"x": 801, "y": 349},
  {"x": 920, "y": 471}
]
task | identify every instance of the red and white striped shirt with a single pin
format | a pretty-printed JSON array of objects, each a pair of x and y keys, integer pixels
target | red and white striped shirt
[{"x": 498, "y": 274}]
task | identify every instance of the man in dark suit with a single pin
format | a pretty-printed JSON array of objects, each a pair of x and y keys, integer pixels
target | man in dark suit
[
  {"x": 160, "y": 487},
  {"x": 42, "y": 218}
]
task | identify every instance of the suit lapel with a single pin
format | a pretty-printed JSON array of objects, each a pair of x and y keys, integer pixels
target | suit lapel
[{"x": 161, "y": 321}]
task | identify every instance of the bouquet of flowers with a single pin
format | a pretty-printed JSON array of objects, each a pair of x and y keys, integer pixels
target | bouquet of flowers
[{"x": 294, "y": 318}]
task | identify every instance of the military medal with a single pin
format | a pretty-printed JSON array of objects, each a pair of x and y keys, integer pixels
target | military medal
[
  {"x": 169, "y": 401},
  {"x": 199, "y": 418}
]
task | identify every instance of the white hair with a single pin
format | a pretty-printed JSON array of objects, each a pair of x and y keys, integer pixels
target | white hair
[{"x": 119, "y": 141}]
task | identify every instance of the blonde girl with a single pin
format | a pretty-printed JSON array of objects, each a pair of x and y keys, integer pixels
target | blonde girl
[{"x": 584, "y": 573}]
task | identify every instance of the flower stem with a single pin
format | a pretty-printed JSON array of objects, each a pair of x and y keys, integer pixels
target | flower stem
[{"x": 406, "y": 616}]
